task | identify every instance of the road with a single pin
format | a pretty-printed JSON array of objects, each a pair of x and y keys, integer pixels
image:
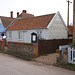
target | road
[{"x": 10, "y": 65}]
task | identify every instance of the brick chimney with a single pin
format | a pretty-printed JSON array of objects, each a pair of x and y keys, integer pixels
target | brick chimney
[
  {"x": 17, "y": 14},
  {"x": 11, "y": 14},
  {"x": 24, "y": 11}
]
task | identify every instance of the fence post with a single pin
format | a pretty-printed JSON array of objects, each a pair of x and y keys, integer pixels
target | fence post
[
  {"x": 72, "y": 55},
  {"x": 3, "y": 44},
  {"x": 35, "y": 47},
  {"x": 69, "y": 55}
]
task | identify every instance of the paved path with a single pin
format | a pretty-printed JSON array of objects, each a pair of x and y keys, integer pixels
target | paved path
[{"x": 14, "y": 66}]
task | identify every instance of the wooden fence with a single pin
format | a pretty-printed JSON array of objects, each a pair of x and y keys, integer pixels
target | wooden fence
[{"x": 50, "y": 46}]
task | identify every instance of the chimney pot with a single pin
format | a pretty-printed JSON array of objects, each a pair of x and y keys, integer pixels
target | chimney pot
[
  {"x": 24, "y": 11},
  {"x": 11, "y": 13},
  {"x": 17, "y": 14}
]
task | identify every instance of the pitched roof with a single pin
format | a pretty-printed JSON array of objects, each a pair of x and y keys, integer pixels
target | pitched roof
[
  {"x": 24, "y": 14},
  {"x": 6, "y": 20},
  {"x": 31, "y": 23}
]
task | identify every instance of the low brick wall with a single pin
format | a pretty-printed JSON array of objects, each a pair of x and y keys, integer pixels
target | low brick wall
[
  {"x": 62, "y": 58},
  {"x": 2, "y": 44},
  {"x": 26, "y": 49}
]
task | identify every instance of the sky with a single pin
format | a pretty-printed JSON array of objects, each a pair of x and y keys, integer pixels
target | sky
[{"x": 36, "y": 7}]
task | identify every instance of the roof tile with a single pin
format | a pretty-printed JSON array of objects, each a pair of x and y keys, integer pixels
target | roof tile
[
  {"x": 31, "y": 23},
  {"x": 6, "y": 20}
]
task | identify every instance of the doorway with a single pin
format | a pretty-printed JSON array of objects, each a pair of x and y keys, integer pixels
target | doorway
[{"x": 33, "y": 38}]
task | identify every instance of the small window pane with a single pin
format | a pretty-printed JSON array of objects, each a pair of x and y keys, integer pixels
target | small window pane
[
  {"x": 20, "y": 35},
  {"x": 34, "y": 38},
  {"x": 10, "y": 34}
]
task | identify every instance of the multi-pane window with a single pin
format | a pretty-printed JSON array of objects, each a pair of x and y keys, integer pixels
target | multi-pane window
[
  {"x": 20, "y": 35},
  {"x": 10, "y": 34}
]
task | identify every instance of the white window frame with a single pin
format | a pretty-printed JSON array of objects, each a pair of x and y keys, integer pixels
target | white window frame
[
  {"x": 20, "y": 34},
  {"x": 10, "y": 34}
]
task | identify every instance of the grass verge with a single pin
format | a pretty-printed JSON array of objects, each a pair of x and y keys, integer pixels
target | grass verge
[
  {"x": 18, "y": 55},
  {"x": 66, "y": 66}
]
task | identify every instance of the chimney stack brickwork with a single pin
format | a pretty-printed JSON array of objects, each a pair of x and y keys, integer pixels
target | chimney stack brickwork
[
  {"x": 24, "y": 11},
  {"x": 24, "y": 14},
  {"x": 11, "y": 14},
  {"x": 17, "y": 14}
]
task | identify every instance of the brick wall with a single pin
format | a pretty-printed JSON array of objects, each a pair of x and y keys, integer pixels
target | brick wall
[
  {"x": 2, "y": 44},
  {"x": 26, "y": 49},
  {"x": 62, "y": 58}
]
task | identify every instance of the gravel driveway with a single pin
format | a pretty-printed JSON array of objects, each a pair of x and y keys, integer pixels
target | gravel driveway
[{"x": 50, "y": 59}]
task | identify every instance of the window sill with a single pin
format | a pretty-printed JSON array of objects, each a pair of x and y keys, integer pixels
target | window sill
[{"x": 19, "y": 39}]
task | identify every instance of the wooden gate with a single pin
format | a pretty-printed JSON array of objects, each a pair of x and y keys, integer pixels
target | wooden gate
[{"x": 71, "y": 55}]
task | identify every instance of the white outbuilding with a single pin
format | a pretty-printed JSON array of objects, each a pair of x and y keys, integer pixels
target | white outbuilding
[{"x": 28, "y": 30}]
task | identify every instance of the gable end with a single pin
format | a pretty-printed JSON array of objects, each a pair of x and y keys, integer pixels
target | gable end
[{"x": 58, "y": 13}]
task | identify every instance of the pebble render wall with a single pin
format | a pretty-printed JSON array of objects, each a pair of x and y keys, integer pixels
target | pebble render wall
[{"x": 25, "y": 49}]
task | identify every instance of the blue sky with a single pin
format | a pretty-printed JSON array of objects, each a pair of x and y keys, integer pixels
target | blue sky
[{"x": 36, "y": 7}]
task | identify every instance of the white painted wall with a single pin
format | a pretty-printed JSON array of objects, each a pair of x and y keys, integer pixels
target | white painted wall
[
  {"x": 26, "y": 35},
  {"x": 45, "y": 34},
  {"x": 57, "y": 29}
]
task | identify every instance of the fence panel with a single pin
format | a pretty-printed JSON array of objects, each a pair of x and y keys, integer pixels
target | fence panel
[{"x": 50, "y": 46}]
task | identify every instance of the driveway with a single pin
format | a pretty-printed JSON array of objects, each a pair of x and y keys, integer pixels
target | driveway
[
  {"x": 50, "y": 59},
  {"x": 10, "y": 65}
]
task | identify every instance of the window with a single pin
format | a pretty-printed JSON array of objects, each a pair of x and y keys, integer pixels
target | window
[
  {"x": 10, "y": 34},
  {"x": 40, "y": 35},
  {"x": 20, "y": 35},
  {"x": 34, "y": 37}
]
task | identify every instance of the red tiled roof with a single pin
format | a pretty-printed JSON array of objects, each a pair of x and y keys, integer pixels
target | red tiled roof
[
  {"x": 6, "y": 20},
  {"x": 31, "y": 23},
  {"x": 25, "y": 15},
  {"x": 71, "y": 29}
]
